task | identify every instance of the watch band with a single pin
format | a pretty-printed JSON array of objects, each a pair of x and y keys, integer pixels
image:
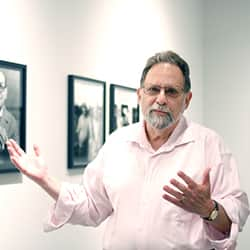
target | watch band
[{"x": 213, "y": 215}]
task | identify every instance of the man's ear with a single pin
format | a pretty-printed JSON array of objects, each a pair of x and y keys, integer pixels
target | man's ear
[
  {"x": 188, "y": 99},
  {"x": 138, "y": 92}
]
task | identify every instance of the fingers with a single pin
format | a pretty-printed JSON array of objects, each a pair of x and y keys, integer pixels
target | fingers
[
  {"x": 173, "y": 192},
  {"x": 15, "y": 158},
  {"x": 189, "y": 195},
  {"x": 16, "y": 154},
  {"x": 14, "y": 148},
  {"x": 187, "y": 179},
  {"x": 175, "y": 196},
  {"x": 179, "y": 185},
  {"x": 16, "y": 163},
  {"x": 191, "y": 184},
  {"x": 183, "y": 190},
  {"x": 172, "y": 199}
]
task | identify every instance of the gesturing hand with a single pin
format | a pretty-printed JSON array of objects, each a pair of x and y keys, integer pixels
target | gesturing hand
[
  {"x": 193, "y": 197},
  {"x": 32, "y": 166}
]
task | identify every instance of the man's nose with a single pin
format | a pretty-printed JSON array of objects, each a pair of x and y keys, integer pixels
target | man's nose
[{"x": 162, "y": 98}]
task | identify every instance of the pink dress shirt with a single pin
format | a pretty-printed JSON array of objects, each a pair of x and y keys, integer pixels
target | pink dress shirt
[{"x": 124, "y": 185}]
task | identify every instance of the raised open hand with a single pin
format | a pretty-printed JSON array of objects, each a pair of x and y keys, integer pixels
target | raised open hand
[
  {"x": 32, "y": 166},
  {"x": 193, "y": 197}
]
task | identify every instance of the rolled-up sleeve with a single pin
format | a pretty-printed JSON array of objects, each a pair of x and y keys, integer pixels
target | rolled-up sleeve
[
  {"x": 225, "y": 189},
  {"x": 220, "y": 241},
  {"x": 85, "y": 204}
]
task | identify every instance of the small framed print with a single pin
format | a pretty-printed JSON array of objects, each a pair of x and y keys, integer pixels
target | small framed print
[
  {"x": 12, "y": 109},
  {"x": 86, "y": 119},
  {"x": 124, "y": 108}
]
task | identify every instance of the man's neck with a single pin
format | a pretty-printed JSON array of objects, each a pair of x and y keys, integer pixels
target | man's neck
[{"x": 157, "y": 137}]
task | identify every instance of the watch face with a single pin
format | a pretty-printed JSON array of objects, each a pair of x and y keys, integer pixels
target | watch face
[{"x": 214, "y": 214}]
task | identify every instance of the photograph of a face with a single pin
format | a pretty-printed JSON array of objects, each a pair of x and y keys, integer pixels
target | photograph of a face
[
  {"x": 12, "y": 109},
  {"x": 86, "y": 111},
  {"x": 124, "y": 108}
]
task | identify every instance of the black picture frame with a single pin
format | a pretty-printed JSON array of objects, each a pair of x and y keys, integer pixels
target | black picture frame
[
  {"x": 13, "y": 115},
  {"x": 86, "y": 119},
  {"x": 124, "y": 108}
]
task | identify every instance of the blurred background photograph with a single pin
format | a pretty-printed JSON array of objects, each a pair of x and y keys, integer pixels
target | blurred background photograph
[
  {"x": 86, "y": 119},
  {"x": 12, "y": 109},
  {"x": 124, "y": 109}
]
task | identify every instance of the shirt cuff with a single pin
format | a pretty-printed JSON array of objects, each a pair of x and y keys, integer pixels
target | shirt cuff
[
  {"x": 60, "y": 213},
  {"x": 222, "y": 241}
]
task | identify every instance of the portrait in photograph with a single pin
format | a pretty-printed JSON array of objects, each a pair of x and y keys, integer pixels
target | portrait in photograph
[
  {"x": 86, "y": 112},
  {"x": 12, "y": 109},
  {"x": 124, "y": 108}
]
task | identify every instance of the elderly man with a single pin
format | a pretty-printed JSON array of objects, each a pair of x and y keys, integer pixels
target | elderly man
[
  {"x": 8, "y": 124},
  {"x": 163, "y": 183}
]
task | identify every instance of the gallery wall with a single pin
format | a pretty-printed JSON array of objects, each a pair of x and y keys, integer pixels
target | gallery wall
[
  {"x": 227, "y": 78},
  {"x": 106, "y": 40}
]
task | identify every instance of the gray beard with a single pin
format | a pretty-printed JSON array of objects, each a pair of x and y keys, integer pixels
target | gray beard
[{"x": 159, "y": 122}]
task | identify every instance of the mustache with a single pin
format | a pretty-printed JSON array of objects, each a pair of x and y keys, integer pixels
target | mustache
[{"x": 163, "y": 108}]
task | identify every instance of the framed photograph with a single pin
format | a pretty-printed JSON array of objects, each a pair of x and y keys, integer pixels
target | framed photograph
[
  {"x": 12, "y": 109},
  {"x": 86, "y": 119},
  {"x": 124, "y": 108}
]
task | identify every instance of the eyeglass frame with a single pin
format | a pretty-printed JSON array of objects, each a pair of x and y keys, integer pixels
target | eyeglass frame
[{"x": 178, "y": 92}]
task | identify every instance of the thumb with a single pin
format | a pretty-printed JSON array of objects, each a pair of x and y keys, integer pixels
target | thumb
[
  {"x": 36, "y": 150},
  {"x": 206, "y": 177}
]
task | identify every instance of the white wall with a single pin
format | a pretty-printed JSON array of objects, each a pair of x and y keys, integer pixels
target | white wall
[
  {"x": 227, "y": 82},
  {"x": 106, "y": 40}
]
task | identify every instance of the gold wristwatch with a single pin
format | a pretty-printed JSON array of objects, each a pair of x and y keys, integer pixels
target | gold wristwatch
[{"x": 213, "y": 215}]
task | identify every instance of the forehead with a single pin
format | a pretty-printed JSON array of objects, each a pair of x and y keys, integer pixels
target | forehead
[{"x": 165, "y": 74}]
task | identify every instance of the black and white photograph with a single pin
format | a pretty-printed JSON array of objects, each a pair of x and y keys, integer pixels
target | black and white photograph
[
  {"x": 12, "y": 109},
  {"x": 86, "y": 125},
  {"x": 124, "y": 109}
]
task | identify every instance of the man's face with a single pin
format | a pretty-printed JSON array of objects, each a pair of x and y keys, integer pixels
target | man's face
[{"x": 162, "y": 99}]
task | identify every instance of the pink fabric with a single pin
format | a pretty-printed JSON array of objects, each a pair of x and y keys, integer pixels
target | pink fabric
[{"x": 124, "y": 184}]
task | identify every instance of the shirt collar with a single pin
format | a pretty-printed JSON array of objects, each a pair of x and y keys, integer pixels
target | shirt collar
[{"x": 181, "y": 134}]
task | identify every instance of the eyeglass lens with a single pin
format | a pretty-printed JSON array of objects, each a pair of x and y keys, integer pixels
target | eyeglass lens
[{"x": 169, "y": 91}]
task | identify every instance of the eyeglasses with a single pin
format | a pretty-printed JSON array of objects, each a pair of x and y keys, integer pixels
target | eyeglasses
[
  {"x": 3, "y": 85},
  {"x": 171, "y": 92}
]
